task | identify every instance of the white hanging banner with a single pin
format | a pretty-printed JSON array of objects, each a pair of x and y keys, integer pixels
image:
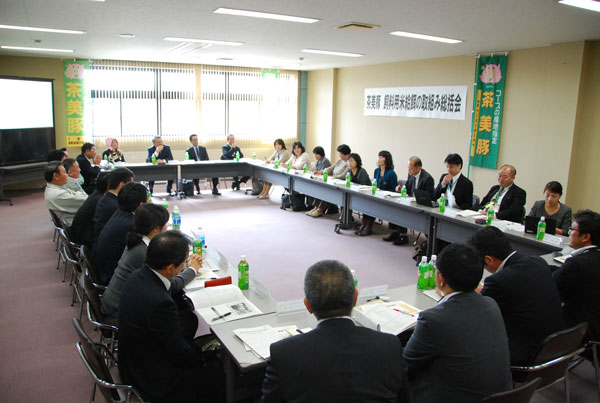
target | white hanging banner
[{"x": 417, "y": 102}]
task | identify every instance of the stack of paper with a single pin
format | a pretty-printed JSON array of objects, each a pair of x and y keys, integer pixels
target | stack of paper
[
  {"x": 388, "y": 317},
  {"x": 222, "y": 304},
  {"x": 259, "y": 339},
  {"x": 198, "y": 282}
]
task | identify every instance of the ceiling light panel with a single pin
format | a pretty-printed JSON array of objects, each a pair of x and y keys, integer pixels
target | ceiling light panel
[
  {"x": 210, "y": 41},
  {"x": 426, "y": 37},
  {"x": 587, "y": 4},
  {"x": 37, "y": 49},
  {"x": 332, "y": 53},
  {"x": 269, "y": 16},
  {"x": 38, "y": 29}
]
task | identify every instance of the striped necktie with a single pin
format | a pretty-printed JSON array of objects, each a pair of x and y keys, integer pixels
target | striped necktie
[{"x": 498, "y": 195}]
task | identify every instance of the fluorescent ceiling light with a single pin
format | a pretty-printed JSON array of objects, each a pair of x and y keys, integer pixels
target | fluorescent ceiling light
[
  {"x": 269, "y": 16},
  {"x": 587, "y": 4},
  {"x": 329, "y": 52},
  {"x": 175, "y": 39},
  {"x": 36, "y": 29},
  {"x": 127, "y": 36},
  {"x": 426, "y": 37},
  {"x": 37, "y": 49}
]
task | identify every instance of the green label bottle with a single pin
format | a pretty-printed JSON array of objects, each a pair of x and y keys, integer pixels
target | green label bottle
[
  {"x": 176, "y": 216},
  {"x": 442, "y": 203},
  {"x": 187, "y": 156},
  {"x": 431, "y": 280},
  {"x": 237, "y": 156},
  {"x": 149, "y": 198},
  {"x": 153, "y": 159},
  {"x": 243, "y": 274},
  {"x": 490, "y": 215},
  {"x": 305, "y": 168},
  {"x": 355, "y": 278},
  {"x": 199, "y": 240},
  {"x": 403, "y": 191},
  {"x": 253, "y": 156},
  {"x": 348, "y": 178},
  {"x": 374, "y": 187},
  {"x": 289, "y": 165},
  {"x": 165, "y": 204},
  {"x": 422, "y": 281},
  {"x": 541, "y": 229},
  {"x": 276, "y": 164},
  {"x": 325, "y": 174}
]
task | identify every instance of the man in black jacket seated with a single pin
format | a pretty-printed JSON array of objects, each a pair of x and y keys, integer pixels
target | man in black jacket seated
[
  {"x": 154, "y": 356},
  {"x": 82, "y": 228},
  {"x": 457, "y": 187},
  {"x": 162, "y": 153},
  {"x": 110, "y": 245},
  {"x": 578, "y": 279},
  {"x": 508, "y": 199},
  {"x": 198, "y": 153},
  {"x": 89, "y": 172},
  {"x": 338, "y": 361},
  {"x": 108, "y": 204},
  {"x": 229, "y": 152},
  {"x": 523, "y": 288}
]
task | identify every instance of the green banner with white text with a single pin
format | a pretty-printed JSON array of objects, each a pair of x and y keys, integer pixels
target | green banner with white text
[
  {"x": 75, "y": 100},
  {"x": 490, "y": 76}
]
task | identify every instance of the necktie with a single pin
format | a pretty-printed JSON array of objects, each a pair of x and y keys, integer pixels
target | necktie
[
  {"x": 498, "y": 195},
  {"x": 451, "y": 184},
  {"x": 197, "y": 154}
]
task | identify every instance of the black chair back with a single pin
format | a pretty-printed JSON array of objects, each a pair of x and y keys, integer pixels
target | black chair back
[
  {"x": 522, "y": 394},
  {"x": 475, "y": 203},
  {"x": 88, "y": 261},
  {"x": 56, "y": 220}
]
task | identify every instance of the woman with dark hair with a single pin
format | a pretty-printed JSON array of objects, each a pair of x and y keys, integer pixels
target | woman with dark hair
[
  {"x": 299, "y": 158},
  {"x": 280, "y": 154},
  {"x": 386, "y": 180},
  {"x": 338, "y": 171},
  {"x": 550, "y": 207},
  {"x": 321, "y": 162},
  {"x": 149, "y": 221}
]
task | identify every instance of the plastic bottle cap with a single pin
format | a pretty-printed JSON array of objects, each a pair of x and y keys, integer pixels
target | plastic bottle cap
[
  {"x": 243, "y": 257},
  {"x": 543, "y": 218},
  {"x": 200, "y": 228},
  {"x": 433, "y": 257},
  {"x": 424, "y": 259}
]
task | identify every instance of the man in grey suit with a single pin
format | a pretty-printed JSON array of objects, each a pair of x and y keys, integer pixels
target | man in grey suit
[
  {"x": 459, "y": 349},
  {"x": 338, "y": 361}
]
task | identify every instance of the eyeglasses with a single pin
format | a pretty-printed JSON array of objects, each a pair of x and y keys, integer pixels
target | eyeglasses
[{"x": 571, "y": 229}]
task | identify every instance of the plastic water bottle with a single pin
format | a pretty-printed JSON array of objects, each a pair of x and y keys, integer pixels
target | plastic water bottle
[
  {"x": 243, "y": 274},
  {"x": 305, "y": 168},
  {"x": 403, "y": 191},
  {"x": 374, "y": 187},
  {"x": 164, "y": 203},
  {"x": 277, "y": 164},
  {"x": 442, "y": 203},
  {"x": 176, "y": 218},
  {"x": 237, "y": 156},
  {"x": 325, "y": 174},
  {"x": 149, "y": 198},
  {"x": 187, "y": 156},
  {"x": 541, "y": 229},
  {"x": 153, "y": 159},
  {"x": 348, "y": 178},
  {"x": 490, "y": 215},
  {"x": 199, "y": 242},
  {"x": 422, "y": 279},
  {"x": 355, "y": 279},
  {"x": 289, "y": 165},
  {"x": 431, "y": 279}
]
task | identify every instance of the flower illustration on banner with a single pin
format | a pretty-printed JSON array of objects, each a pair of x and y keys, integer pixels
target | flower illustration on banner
[
  {"x": 491, "y": 74},
  {"x": 75, "y": 71}
]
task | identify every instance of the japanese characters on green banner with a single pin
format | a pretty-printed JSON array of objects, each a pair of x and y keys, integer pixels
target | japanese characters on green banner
[
  {"x": 490, "y": 76},
  {"x": 75, "y": 100}
]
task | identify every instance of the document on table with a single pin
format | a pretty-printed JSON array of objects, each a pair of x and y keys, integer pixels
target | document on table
[
  {"x": 468, "y": 213},
  {"x": 432, "y": 294},
  {"x": 388, "y": 317},
  {"x": 222, "y": 304},
  {"x": 259, "y": 339},
  {"x": 198, "y": 282}
]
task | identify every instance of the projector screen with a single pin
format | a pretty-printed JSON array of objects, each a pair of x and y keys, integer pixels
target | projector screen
[{"x": 26, "y": 103}]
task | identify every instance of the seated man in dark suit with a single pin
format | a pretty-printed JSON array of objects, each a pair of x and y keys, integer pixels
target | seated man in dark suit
[
  {"x": 508, "y": 199},
  {"x": 523, "y": 288},
  {"x": 108, "y": 204},
  {"x": 154, "y": 356},
  {"x": 338, "y": 361},
  {"x": 578, "y": 279},
  {"x": 89, "y": 172},
  {"x": 198, "y": 153},
  {"x": 162, "y": 153},
  {"x": 82, "y": 229},
  {"x": 458, "y": 188},
  {"x": 109, "y": 246},
  {"x": 229, "y": 151},
  {"x": 418, "y": 178},
  {"x": 459, "y": 349}
]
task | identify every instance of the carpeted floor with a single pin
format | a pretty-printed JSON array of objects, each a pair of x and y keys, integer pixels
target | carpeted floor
[{"x": 38, "y": 360}]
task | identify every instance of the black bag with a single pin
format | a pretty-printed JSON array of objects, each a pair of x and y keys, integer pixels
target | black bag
[
  {"x": 298, "y": 201},
  {"x": 188, "y": 187},
  {"x": 257, "y": 186},
  {"x": 421, "y": 251}
]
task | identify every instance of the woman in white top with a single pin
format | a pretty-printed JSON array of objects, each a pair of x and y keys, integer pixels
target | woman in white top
[
  {"x": 282, "y": 154},
  {"x": 300, "y": 158},
  {"x": 338, "y": 171}
]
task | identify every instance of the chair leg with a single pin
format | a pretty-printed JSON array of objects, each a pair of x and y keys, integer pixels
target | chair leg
[
  {"x": 567, "y": 394},
  {"x": 596, "y": 367},
  {"x": 93, "y": 393}
]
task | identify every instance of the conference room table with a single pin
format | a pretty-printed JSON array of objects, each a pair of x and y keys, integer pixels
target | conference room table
[
  {"x": 247, "y": 362},
  {"x": 436, "y": 226}
]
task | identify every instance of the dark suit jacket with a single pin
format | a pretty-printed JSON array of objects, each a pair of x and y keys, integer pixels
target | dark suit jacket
[
  {"x": 82, "y": 228},
  {"x": 458, "y": 351},
  {"x": 201, "y": 150},
  {"x": 165, "y": 154},
  {"x": 529, "y": 301},
  {"x": 462, "y": 191},
  {"x": 336, "y": 362},
  {"x": 153, "y": 354},
  {"x": 425, "y": 183},
  {"x": 511, "y": 208},
  {"x": 105, "y": 208},
  {"x": 578, "y": 282},
  {"x": 229, "y": 152},
  {"x": 110, "y": 244},
  {"x": 88, "y": 172}
]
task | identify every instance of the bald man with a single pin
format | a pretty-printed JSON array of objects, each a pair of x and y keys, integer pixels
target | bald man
[{"x": 508, "y": 198}]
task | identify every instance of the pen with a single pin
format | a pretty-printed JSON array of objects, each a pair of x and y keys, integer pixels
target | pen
[
  {"x": 221, "y": 316},
  {"x": 299, "y": 331},
  {"x": 215, "y": 311}
]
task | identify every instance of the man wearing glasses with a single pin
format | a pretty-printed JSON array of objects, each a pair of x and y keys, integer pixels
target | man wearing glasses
[{"x": 578, "y": 279}]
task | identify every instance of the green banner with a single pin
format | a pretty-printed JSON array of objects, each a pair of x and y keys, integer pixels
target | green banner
[
  {"x": 490, "y": 76},
  {"x": 75, "y": 100}
]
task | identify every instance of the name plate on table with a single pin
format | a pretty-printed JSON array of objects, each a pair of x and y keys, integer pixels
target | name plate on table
[
  {"x": 372, "y": 292},
  {"x": 295, "y": 305},
  {"x": 552, "y": 240}
]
